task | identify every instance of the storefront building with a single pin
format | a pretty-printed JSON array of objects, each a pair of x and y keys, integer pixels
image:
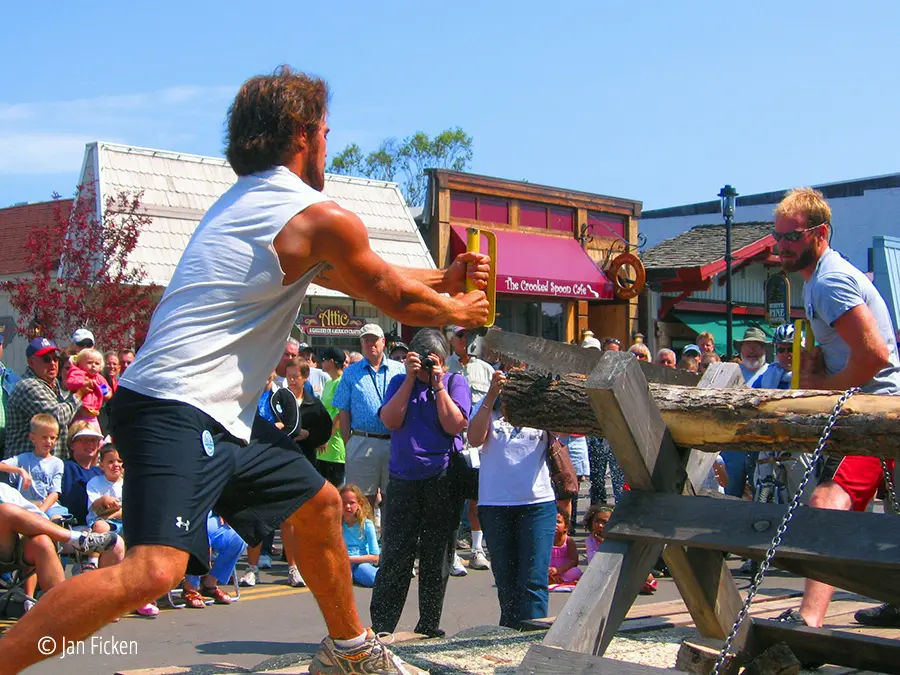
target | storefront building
[{"x": 553, "y": 247}]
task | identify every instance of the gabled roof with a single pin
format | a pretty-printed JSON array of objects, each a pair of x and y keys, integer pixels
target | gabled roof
[
  {"x": 704, "y": 245},
  {"x": 689, "y": 261},
  {"x": 179, "y": 188},
  {"x": 17, "y": 221}
]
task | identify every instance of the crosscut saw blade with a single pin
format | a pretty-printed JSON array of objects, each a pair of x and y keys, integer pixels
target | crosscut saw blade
[
  {"x": 545, "y": 356},
  {"x": 558, "y": 358}
]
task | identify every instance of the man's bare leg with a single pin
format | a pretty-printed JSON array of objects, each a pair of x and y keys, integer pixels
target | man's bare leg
[
  {"x": 324, "y": 562},
  {"x": 817, "y": 595},
  {"x": 74, "y": 609},
  {"x": 17, "y": 519},
  {"x": 253, "y": 555},
  {"x": 40, "y": 551}
]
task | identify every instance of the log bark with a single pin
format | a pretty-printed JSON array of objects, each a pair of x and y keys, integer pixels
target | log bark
[{"x": 713, "y": 420}]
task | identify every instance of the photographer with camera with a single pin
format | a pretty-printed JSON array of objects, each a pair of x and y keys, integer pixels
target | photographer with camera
[{"x": 427, "y": 410}]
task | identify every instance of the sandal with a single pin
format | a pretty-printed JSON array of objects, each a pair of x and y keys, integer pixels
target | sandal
[
  {"x": 194, "y": 600},
  {"x": 217, "y": 594},
  {"x": 649, "y": 587}
]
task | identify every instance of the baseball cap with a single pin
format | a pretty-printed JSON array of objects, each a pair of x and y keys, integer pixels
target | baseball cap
[
  {"x": 39, "y": 347},
  {"x": 334, "y": 354},
  {"x": 303, "y": 346},
  {"x": 83, "y": 335},
  {"x": 399, "y": 345},
  {"x": 372, "y": 329},
  {"x": 457, "y": 329},
  {"x": 591, "y": 343},
  {"x": 690, "y": 349},
  {"x": 88, "y": 432}
]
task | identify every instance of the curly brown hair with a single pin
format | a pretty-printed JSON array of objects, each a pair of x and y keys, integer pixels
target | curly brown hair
[{"x": 268, "y": 116}]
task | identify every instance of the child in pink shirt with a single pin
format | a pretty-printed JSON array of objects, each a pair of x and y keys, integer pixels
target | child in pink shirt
[{"x": 86, "y": 367}]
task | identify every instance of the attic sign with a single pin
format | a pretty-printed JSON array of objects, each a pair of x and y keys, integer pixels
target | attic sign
[
  {"x": 331, "y": 321},
  {"x": 778, "y": 300}
]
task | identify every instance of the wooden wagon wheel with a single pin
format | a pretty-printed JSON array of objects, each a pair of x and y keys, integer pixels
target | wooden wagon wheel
[{"x": 627, "y": 287}]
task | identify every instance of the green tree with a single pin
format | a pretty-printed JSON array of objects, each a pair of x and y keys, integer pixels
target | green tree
[{"x": 450, "y": 149}]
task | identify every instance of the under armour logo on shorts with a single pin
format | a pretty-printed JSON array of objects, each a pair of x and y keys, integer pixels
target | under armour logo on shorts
[{"x": 180, "y": 522}]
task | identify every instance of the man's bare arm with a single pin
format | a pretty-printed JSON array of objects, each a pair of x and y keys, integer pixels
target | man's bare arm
[
  {"x": 326, "y": 232},
  {"x": 868, "y": 352}
]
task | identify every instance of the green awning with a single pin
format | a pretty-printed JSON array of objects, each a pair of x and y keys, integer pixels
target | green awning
[{"x": 717, "y": 324}]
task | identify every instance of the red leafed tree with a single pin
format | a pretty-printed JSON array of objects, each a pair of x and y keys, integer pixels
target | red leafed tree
[{"x": 80, "y": 275}]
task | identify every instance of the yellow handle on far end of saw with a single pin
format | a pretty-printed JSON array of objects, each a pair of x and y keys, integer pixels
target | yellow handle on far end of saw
[
  {"x": 473, "y": 244},
  {"x": 802, "y": 328}
]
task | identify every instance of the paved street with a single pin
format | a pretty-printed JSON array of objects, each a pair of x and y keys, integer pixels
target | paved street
[{"x": 273, "y": 618}]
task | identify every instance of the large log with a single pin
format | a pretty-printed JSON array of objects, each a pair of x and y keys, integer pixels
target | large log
[{"x": 718, "y": 419}]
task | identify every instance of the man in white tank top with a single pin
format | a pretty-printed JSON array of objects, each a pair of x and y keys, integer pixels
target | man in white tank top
[{"x": 184, "y": 414}]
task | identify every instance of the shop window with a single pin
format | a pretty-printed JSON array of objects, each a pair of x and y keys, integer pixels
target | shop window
[
  {"x": 605, "y": 224},
  {"x": 463, "y": 206},
  {"x": 562, "y": 219},
  {"x": 540, "y": 319},
  {"x": 493, "y": 210},
  {"x": 532, "y": 215}
]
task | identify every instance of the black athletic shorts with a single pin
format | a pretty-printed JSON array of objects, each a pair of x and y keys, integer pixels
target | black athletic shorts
[{"x": 180, "y": 464}]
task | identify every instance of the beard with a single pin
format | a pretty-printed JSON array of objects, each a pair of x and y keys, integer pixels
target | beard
[
  {"x": 754, "y": 364},
  {"x": 802, "y": 261}
]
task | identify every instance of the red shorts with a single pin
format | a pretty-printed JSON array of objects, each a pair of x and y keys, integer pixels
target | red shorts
[{"x": 860, "y": 477}]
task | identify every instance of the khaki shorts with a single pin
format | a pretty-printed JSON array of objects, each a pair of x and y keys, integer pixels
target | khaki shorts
[{"x": 367, "y": 463}]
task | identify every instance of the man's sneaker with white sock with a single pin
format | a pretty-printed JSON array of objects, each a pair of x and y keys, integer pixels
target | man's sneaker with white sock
[
  {"x": 248, "y": 578},
  {"x": 294, "y": 578},
  {"x": 95, "y": 542},
  {"x": 478, "y": 560},
  {"x": 371, "y": 658}
]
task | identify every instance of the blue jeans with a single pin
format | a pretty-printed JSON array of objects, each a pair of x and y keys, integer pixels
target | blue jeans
[
  {"x": 364, "y": 574},
  {"x": 740, "y": 467},
  {"x": 228, "y": 547},
  {"x": 521, "y": 540}
]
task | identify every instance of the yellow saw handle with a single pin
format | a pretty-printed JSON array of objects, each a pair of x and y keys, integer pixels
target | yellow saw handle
[
  {"x": 473, "y": 245},
  {"x": 802, "y": 328}
]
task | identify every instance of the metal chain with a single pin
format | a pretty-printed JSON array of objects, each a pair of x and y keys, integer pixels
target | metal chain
[
  {"x": 782, "y": 528},
  {"x": 889, "y": 487}
]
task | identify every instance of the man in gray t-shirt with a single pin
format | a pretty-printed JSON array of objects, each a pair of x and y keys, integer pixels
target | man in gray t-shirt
[{"x": 851, "y": 323}]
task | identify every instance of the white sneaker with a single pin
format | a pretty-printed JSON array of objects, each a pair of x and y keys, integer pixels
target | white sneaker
[
  {"x": 249, "y": 577},
  {"x": 458, "y": 569},
  {"x": 478, "y": 560},
  {"x": 294, "y": 578},
  {"x": 265, "y": 562}
]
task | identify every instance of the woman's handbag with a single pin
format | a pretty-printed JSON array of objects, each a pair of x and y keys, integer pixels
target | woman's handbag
[
  {"x": 463, "y": 476},
  {"x": 562, "y": 471}
]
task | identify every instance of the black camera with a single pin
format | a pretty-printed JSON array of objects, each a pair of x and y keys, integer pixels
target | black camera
[{"x": 428, "y": 364}]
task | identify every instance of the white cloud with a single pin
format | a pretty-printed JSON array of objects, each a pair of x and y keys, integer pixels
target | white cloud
[
  {"x": 49, "y": 137},
  {"x": 36, "y": 153}
]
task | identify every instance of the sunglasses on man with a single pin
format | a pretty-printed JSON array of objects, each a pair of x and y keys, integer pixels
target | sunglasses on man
[
  {"x": 794, "y": 235},
  {"x": 784, "y": 350},
  {"x": 50, "y": 358}
]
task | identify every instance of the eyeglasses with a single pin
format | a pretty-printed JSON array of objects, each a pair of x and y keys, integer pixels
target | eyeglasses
[
  {"x": 794, "y": 235},
  {"x": 50, "y": 358},
  {"x": 784, "y": 350}
]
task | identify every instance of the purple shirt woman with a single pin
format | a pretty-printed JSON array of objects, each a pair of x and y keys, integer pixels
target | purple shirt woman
[{"x": 427, "y": 410}]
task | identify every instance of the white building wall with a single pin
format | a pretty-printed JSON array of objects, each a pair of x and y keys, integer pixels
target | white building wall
[
  {"x": 856, "y": 221},
  {"x": 13, "y": 346}
]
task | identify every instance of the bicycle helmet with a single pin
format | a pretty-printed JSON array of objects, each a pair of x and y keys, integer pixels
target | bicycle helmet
[{"x": 785, "y": 333}]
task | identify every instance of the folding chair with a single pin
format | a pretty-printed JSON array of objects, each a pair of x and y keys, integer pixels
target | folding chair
[{"x": 13, "y": 575}]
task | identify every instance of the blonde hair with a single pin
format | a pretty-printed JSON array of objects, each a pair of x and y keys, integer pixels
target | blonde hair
[
  {"x": 364, "y": 512},
  {"x": 640, "y": 348},
  {"x": 43, "y": 421},
  {"x": 87, "y": 353},
  {"x": 806, "y": 203},
  {"x": 75, "y": 427},
  {"x": 705, "y": 335}
]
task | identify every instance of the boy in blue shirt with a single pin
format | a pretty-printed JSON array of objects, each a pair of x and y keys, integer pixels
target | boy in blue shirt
[{"x": 39, "y": 473}]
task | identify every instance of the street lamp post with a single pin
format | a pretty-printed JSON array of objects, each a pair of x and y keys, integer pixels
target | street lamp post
[{"x": 728, "y": 195}]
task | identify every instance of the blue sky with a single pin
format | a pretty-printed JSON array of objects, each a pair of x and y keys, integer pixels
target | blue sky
[{"x": 658, "y": 101}]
